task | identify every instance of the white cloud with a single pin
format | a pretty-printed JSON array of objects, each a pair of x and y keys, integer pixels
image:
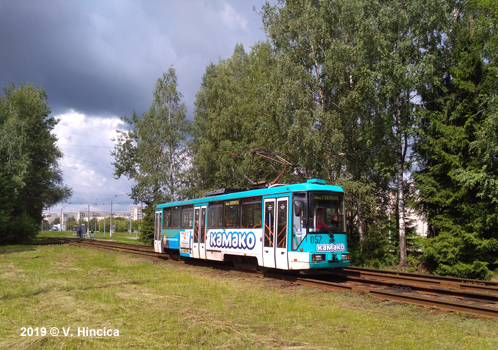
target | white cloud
[
  {"x": 87, "y": 162},
  {"x": 234, "y": 20}
]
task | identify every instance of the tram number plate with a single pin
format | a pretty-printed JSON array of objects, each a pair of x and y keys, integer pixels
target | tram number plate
[{"x": 315, "y": 239}]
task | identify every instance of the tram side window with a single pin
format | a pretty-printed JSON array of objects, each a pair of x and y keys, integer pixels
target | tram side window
[
  {"x": 232, "y": 208},
  {"x": 187, "y": 217},
  {"x": 166, "y": 218},
  {"x": 282, "y": 224},
  {"x": 158, "y": 226},
  {"x": 251, "y": 212},
  {"x": 176, "y": 213},
  {"x": 215, "y": 216}
]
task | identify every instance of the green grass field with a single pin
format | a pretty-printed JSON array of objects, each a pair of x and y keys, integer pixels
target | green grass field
[{"x": 178, "y": 306}]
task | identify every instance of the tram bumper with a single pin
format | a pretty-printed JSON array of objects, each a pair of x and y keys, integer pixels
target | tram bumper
[
  {"x": 329, "y": 260},
  {"x": 330, "y": 257},
  {"x": 305, "y": 261}
]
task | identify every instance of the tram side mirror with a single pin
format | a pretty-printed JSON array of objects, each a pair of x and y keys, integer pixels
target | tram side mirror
[{"x": 298, "y": 208}]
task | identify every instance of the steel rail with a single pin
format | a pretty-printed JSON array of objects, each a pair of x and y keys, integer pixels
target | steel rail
[
  {"x": 107, "y": 243},
  {"x": 124, "y": 248},
  {"x": 420, "y": 280},
  {"x": 440, "y": 279},
  {"x": 404, "y": 286},
  {"x": 116, "y": 245},
  {"x": 449, "y": 305}
]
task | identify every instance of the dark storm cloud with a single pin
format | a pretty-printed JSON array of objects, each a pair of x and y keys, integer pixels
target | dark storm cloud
[
  {"x": 63, "y": 46},
  {"x": 102, "y": 58},
  {"x": 99, "y": 60}
]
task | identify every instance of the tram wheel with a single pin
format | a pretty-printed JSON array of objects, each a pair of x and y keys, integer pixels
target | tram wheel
[
  {"x": 263, "y": 269},
  {"x": 237, "y": 262}
]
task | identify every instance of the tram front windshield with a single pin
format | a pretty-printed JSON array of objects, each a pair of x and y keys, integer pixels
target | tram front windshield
[
  {"x": 316, "y": 212},
  {"x": 326, "y": 212}
]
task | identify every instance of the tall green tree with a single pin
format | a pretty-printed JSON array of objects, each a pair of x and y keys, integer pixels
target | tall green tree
[
  {"x": 153, "y": 151},
  {"x": 408, "y": 33},
  {"x": 457, "y": 148},
  {"x": 484, "y": 177},
  {"x": 222, "y": 122},
  {"x": 232, "y": 118},
  {"x": 30, "y": 176},
  {"x": 253, "y": 101},
  {"x": 364, "y": 61},
  {"x": 328, "y": 41}
]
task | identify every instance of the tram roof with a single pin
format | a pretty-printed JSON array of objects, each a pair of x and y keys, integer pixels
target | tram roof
[{"x": 310, "y": 185}]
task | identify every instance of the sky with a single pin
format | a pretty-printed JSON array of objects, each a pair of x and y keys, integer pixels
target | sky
[{"x": 99, "y": 60}]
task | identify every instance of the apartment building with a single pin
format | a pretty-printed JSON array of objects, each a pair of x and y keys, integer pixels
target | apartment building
[{"x": 136, "y": 212}]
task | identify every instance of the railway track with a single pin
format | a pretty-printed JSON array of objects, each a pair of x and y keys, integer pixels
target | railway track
[
  {"x": 453, "y": 282},
  {"x": 473, "y": 297},
  {"x": 115, "y": 246},
  {"x": 449, "y": 299}
]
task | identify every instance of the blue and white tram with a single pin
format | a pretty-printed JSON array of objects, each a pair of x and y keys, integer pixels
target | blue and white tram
[{"x": 288, "y": 227}]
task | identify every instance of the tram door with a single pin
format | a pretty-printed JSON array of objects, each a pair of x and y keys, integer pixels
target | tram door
[
  {"x": 157, "y": 232},
  {"x": 199, "y": 239},
  {"x": 275, "y": 233}
]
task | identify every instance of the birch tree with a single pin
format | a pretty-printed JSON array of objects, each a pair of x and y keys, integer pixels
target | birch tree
[
  {"x": 365, "y": 60},
  {"x": 153, "y": 151}
]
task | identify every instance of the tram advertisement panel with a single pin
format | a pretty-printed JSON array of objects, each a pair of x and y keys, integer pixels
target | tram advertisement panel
[{"x": 236, "y": 240}]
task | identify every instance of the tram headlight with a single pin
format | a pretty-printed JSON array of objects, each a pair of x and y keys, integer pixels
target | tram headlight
[
  {"x": 339, "y": 257},
  {"x": 317, "y": 257}
]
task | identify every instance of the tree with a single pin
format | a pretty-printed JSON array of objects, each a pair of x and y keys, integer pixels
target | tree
[
  {"x": 6, "y": 197},
  {"x": 226, "y": 122},
  {"x": 363, "y": 62},
  {"x": 409, "y": 33},
  {"x": 484, "y": 178},
  {"x": 153, "y": 151},
  {"x": 29, "y": 158},
  {"x": 252, "y": 101},
  {"x": 56, "y": 221},
  {"x": 456, "y": 147},
  {"x": 317, "y": 38}
]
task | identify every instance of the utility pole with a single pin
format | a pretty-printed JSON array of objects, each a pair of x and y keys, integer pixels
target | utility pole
[
  {"x": 110, "y": 228},
  {"x": 88, "y": 227}
]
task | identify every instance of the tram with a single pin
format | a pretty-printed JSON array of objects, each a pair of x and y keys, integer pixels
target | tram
[{"x": 287, "y": 227}]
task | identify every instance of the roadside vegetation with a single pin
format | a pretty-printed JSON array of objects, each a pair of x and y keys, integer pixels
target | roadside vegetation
[{"x": 173, "y": 306}]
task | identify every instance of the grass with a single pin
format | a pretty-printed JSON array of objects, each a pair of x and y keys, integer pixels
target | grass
[
  {"x": 123, "y": 237},
  {"x": 175, "y": 306}
]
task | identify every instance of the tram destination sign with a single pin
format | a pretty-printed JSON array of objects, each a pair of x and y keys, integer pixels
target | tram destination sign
[{"x": 326, "y": 197}]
